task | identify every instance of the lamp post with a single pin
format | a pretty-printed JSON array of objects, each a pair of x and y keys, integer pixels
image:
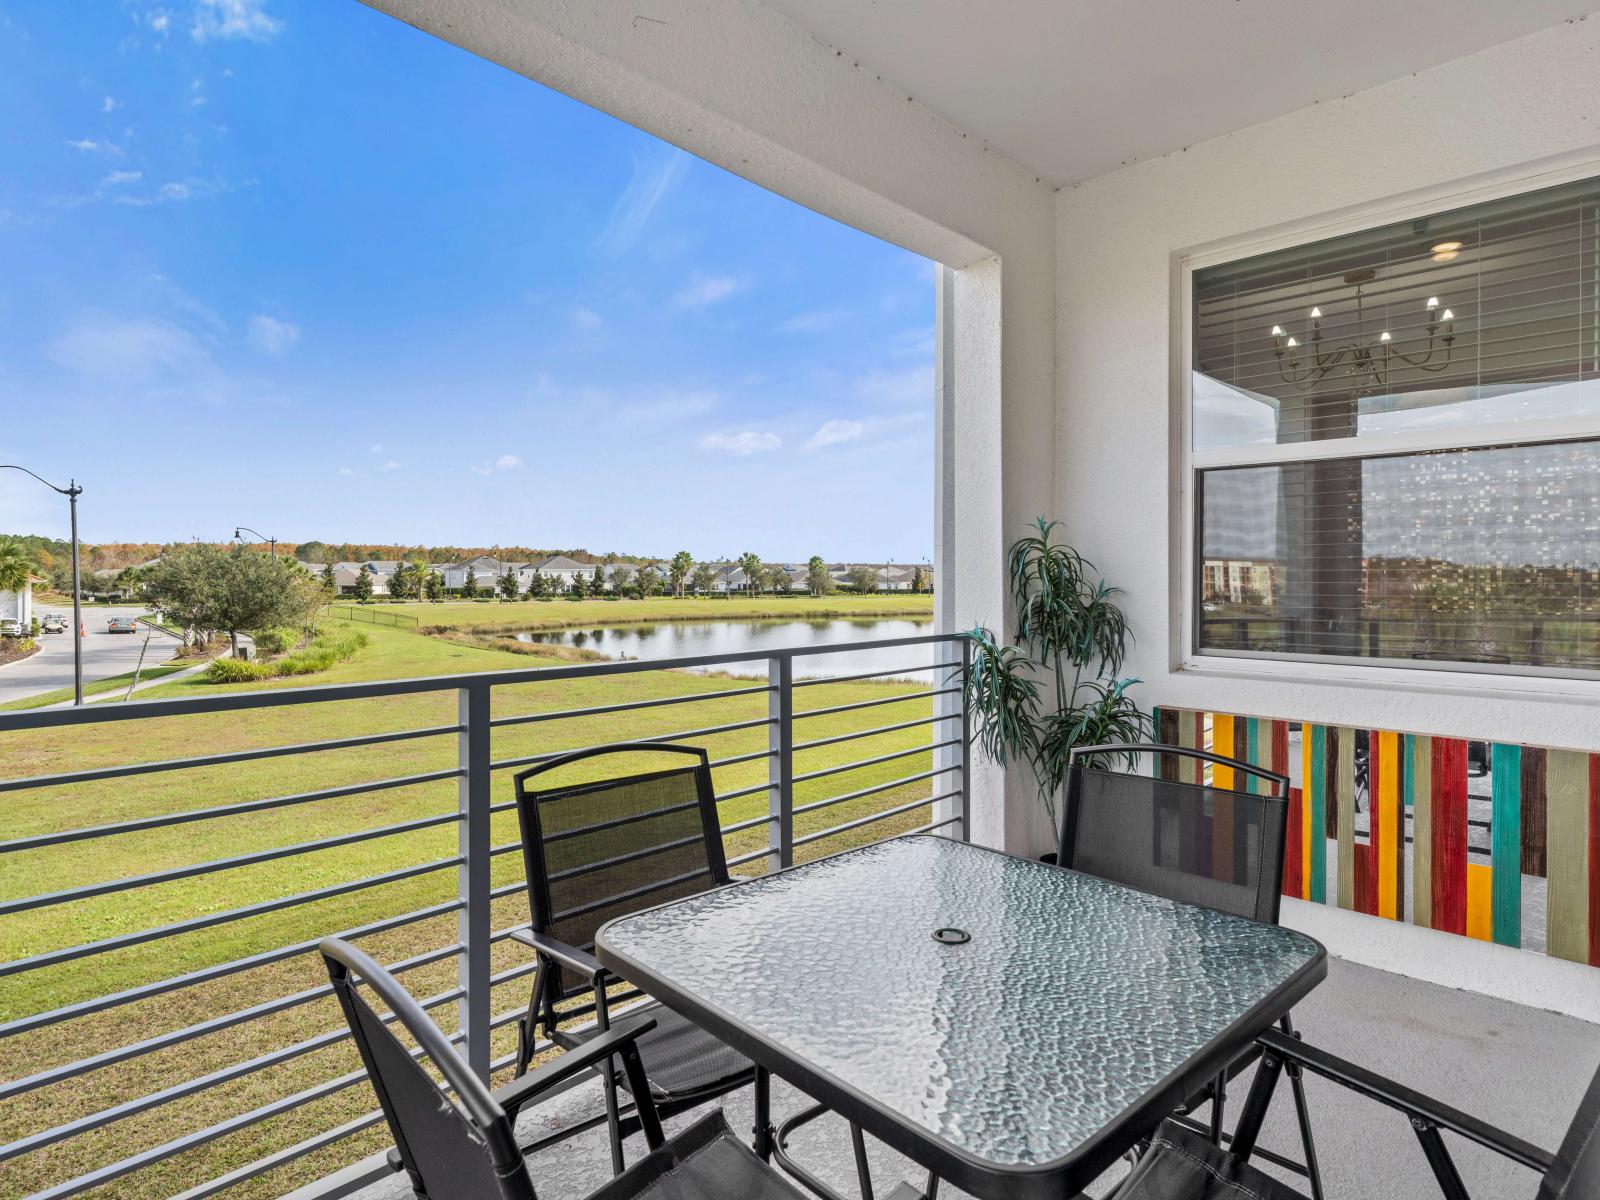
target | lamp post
[
  {"x": 240, "y": 530},
  {"x": 72, "y": 491}
]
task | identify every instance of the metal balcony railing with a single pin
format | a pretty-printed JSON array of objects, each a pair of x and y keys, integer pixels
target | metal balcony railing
[{"x": 66, "y": 1139}]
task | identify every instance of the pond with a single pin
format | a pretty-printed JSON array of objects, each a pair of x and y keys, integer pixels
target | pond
[{"x": 682, "y": 639}]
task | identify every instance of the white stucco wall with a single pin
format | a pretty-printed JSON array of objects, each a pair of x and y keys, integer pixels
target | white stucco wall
[
  {"x": 1500, "y": 113},
  {"x": 739, "y": 85}
]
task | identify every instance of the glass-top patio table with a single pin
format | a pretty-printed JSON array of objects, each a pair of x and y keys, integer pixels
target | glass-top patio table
[{"x": 1011, "y": 1026}]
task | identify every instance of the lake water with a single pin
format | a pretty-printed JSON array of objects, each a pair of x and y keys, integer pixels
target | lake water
[{"x": 681, "y": 639}]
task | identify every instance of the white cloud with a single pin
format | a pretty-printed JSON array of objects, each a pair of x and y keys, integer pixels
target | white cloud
[
  {"x": 746, "y": 441},
  {"x": 174, "y": 191},
  {"x": 832, "y": 433},
  {"x": 90, "y": 146},
  {"x": 119, "y": 178},
  {"x": 706, "y": 290},
  {"x": 346, "y": 471},
  {"x": 506, "y": 462},
  {"x": 272, "y": 336},
  {"x": 161, "y": 23},
  {"x": 587, "y": 319},
  {"x": 376, "y": 448},
  {"x": 128, "y": 350},
  {"x": 110, "y": 104},
  {"x": 391, "y": 465},
  {"x": 813, "y": 322},
  {"x": 647, "y": 187},
  {"x": 228, "y": 20}
]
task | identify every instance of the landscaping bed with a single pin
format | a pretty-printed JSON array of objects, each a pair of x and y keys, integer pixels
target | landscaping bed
[{"x": 16, "y": 649}]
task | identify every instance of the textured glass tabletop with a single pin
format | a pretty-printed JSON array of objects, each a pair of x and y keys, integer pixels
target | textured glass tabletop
[{"x": 1072, "y": 999}]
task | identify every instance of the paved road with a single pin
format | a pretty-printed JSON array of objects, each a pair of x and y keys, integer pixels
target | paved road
[{"x": 104, "y": 654}]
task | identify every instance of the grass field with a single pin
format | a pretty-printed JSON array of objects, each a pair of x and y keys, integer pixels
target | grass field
[{"x": 390, "y": 654}]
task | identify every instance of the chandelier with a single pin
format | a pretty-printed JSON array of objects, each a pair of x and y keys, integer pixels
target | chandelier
[{"x": 1365, "y": 361}]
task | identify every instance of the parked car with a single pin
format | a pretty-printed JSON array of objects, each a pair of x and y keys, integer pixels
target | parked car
[
  {"x": 122, "y": 625},
  {"x": 53, "y": 623},
  {"x": 10, "y": 627}
]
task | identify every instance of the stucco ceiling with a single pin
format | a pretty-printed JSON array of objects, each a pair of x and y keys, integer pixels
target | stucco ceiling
[{"x": 1075, "y": 88}]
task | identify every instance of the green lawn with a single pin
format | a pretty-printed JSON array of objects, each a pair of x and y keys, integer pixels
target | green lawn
[{"x": 391, "y": 653}]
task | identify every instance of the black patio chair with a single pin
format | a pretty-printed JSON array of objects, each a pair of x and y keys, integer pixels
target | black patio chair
[
  {"x": 601, "y": 849},
  {"x": 1195, "y": 843},
  {"x": 466, "y": 1149},
  {"x": 1571, "y": 1173}
]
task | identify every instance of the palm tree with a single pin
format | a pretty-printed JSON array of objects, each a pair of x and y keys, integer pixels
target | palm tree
[{"x": 16, "y": 565}]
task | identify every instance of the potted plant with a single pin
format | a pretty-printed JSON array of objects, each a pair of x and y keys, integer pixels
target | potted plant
[{"x": 1057, "y": 685}]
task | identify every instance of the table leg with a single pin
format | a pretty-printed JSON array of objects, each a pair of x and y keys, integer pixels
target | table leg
[{"x": 763, "y": 1104}]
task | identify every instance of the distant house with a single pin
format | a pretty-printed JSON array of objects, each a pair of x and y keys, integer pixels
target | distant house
[
  {"x": 564, "y": 569},
  {"x": 381, "y": 570},
  {"x": 19, "y": 605}
]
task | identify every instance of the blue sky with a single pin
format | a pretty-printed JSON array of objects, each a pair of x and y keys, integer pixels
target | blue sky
[{"x": 300, "y": 266}]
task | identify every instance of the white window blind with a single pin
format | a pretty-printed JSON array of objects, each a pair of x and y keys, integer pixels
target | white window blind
[{"x": 1396, "y": 443}]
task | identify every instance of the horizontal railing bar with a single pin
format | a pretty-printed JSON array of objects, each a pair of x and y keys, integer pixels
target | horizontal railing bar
[
  {"x": 200, "y": 1083},
  {"x": 282, "y": 1158},
  {"x": 871, "y": 819},
  {"x": 626, "y": 706},
  {"x": 50, "y": 958},
  {"x": 746, "y": 791},
  {"x": 109, "y": 886},
  {"x": 224, "y": 810},
  {"x": 908, "y": 697},
  {"x": 855, "y": 735},
  {"x": 872, "y": 762},
  {"x": 874, "y": 790},
  {"x": 751, "y": 857},
  {"x": 173, "y": 1037},
  {"x": 932, "y": 825},
  {"x": 708, "y": 731},
  {"x": 199, "y": 1137},
  {"x": 508, "y": 889},
  {"x": 818, "y": 682},
  {"x": 135, "y": 710},
  {"x": 175, "y": 983},
  {"x": 763, "y": 819},
  {"x": 214, "y": 760},
  {"x": 736, "y": 759}
]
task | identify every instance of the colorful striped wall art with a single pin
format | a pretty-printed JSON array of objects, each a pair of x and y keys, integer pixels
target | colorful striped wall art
[{"x": 1490, "y": 840}]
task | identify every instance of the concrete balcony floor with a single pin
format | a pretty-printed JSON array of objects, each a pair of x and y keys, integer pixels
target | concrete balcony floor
[{"x": 1520, "y": 1068}]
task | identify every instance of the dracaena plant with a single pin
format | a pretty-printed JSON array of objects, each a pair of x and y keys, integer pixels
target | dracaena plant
[{"x": 1057, "y": 684}]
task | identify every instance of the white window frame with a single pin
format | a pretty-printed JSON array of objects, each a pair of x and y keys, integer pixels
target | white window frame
[{"x": 1514, "y": 682}]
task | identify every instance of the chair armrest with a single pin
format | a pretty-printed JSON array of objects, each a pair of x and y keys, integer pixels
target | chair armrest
[
  {"x": 571, "y": 957},
  {"x": 541, "y": 1079},
  {"x": 1407, "y": 1100}
]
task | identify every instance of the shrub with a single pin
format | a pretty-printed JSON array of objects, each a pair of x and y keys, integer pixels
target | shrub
[
  {"x": 238, "y": 670},
  {"x": 276, "y": 640}
]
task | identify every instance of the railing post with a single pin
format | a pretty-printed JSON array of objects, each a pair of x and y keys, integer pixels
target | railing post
[
  {"x": 951, "y": 761},
  {"x": 780, "y": 766},
  {"x": 472, "y": 876}
]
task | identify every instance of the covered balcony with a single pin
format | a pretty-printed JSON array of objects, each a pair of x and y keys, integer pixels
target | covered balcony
[{"x": 1288, "y": 316}]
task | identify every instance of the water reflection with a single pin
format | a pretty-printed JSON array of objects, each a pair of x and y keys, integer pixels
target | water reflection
[{"x": 682, "y": 639}]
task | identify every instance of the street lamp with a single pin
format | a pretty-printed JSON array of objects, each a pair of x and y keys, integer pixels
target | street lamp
[
  {"x": 72, "y": 491},
  {"x": 240, "y": 530}
]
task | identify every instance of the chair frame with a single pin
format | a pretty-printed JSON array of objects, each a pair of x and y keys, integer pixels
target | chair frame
[
  {"x": 492, "y": 1113},
  {"x": 555, "y": 956},
  {"x": 1216, "y": 1091},
  {"x": 1282, "y": 1053}
]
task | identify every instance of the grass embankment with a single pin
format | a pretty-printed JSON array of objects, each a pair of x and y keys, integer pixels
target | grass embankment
[
  {"x": 498, "y": 617},
  {"x": 390, "y": 653}
]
